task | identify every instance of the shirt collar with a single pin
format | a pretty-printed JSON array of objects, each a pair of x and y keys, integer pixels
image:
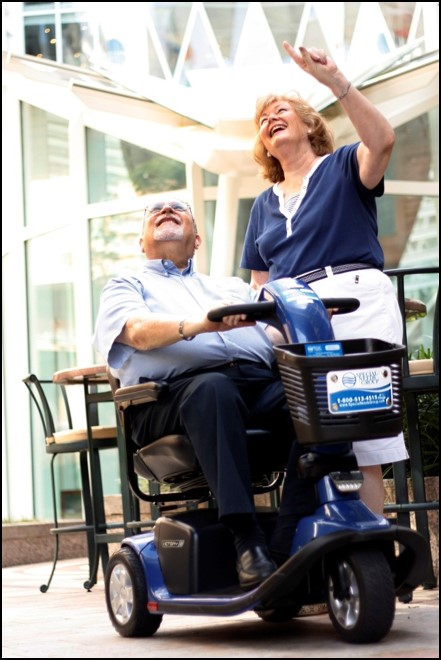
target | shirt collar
[{"x": 166, "y": 267}]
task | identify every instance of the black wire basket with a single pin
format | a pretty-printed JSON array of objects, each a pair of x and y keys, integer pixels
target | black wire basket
[{"x": 344, "y": 390}]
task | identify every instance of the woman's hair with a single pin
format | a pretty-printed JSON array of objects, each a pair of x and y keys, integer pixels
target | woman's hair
[{"x": 319, "y": 133}]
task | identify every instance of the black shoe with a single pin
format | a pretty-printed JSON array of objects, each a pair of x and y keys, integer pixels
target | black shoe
[{"x": 254, "y": 566}]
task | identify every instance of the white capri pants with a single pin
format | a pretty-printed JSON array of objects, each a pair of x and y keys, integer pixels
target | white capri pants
[{"x": 378, "y": 317}]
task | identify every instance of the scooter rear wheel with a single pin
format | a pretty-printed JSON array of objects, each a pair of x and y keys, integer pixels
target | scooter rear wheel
[
  {"x": 126, "y": 596},
  {"x": 361, "y": 596}
]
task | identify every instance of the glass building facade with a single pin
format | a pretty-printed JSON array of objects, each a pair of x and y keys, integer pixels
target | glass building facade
[{"x": 106, "y": 110}]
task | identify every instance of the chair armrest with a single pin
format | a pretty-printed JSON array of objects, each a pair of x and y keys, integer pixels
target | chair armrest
[
  {"x": 133, "y": 395},
  {"x": 414, "y": 309}
]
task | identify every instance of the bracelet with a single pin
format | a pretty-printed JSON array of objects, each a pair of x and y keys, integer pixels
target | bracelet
[
  {"x": 181, "y": 331},
  {"x": 344, "y": 92}
]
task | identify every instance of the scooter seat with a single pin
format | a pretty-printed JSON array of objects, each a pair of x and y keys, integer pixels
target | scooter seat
[
  {"x": 167, "y": 460},
  {"x": 171, "y": 459}
]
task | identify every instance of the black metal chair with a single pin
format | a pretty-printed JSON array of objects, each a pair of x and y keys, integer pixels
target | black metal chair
[
  {"x": 69, "y": 440},
  {"x": 419, "y": 377}
]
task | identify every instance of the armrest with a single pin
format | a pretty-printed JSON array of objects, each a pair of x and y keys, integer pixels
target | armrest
[
  {"x": 133, "y": 395},
  {"x": 414, "y": 309}
]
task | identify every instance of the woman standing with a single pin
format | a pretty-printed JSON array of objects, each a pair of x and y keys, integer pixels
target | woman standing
[{"x": 318, "y": 222}]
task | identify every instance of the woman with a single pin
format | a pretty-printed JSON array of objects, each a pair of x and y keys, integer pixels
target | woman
[{"x": 318, "y": 222}]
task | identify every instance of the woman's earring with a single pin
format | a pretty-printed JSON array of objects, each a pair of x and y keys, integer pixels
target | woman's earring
[
  {"x": 268, "y": 154},
  {"x": 309, "y": 131}
]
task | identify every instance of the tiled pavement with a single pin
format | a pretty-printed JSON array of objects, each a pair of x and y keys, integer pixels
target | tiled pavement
[{"x": 68, "y": 622}]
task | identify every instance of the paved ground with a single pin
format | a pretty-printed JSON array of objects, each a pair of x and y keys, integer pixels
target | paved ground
[{"x": 68, "y": 622}]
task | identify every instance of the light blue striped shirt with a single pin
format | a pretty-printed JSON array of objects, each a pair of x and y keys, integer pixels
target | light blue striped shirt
[{"x": 161, "y": 288}]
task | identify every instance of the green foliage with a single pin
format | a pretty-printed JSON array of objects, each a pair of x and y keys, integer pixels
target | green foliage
[
  {"x": 428, "y": 416},
  {"x": 421, "y": 353},
  {"x": 150, "y": 172},
  {"x": 428, "y": 422}
]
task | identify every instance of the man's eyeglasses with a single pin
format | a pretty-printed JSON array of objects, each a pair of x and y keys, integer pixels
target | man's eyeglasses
[{"x": 176, "y": 205}]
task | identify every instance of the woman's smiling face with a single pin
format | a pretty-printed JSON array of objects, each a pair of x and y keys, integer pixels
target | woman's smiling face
[{"x": 279, "y": 121}]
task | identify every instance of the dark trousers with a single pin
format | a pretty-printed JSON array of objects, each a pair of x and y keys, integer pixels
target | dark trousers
[{"x": 214, "y": 408}]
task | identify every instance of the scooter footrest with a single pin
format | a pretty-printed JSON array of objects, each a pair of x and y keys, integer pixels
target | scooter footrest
[{"x": 347, "y": 482}]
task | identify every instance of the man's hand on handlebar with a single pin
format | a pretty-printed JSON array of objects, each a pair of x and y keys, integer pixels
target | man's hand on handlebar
[
  {"x": 230, "y": 321},
  {"x": 246, "y": 314}
]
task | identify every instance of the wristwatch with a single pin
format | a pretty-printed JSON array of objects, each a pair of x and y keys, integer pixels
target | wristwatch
[{"x": 181, "y": 331}]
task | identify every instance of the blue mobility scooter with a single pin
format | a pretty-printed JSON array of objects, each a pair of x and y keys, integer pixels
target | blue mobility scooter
[{"x": 343, "y": 555}]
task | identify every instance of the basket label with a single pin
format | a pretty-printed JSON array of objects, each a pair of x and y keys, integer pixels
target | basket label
[
  {"x": 325, "y": 349},
  {"x": 359, "y": 390}
]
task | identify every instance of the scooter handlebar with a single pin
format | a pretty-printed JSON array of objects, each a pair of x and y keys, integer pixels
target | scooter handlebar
[
  {"x": 341, "y": 305},
  {"x": 262, "y": 310},
  {"x": 254, "y": 311}
]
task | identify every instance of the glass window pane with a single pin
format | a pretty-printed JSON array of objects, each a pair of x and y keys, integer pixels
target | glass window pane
[
  {"x": 408, "y": 227},
  {"x": 47, "y": 185},
  {"x": 40, "y": 38},
  {"x": 409, "y": 224},
  {"x": 398, "y": 17},
  {"x": 52, "y": 346},
  {"x": 200, "y": 53},
  {"x": 170, "y": 20},
  {"x": 242, "y": 223},
  {"x": 113, "y": 246},
  {"x": 209, "y": 178},
  {"x": 227, "y": 20},
  {"x": 41, "y": 6},
  {"x": 284, "y": 20},
  {"x": 154, "y": 65},
  {"x": 51, "y": 303},
  {"x": 117, "y": 169},
  {"x": 314, "y": 33},
  {"x": 350, "y": 19},
  {"x": 77, "y": 40},
  {"x": 415, "y": 156}
]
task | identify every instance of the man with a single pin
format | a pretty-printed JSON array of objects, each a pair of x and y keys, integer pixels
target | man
[{"x": 221, "y": 376}]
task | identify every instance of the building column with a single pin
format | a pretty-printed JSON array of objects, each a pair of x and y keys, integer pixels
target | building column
[{"x": 225, "y": 225}]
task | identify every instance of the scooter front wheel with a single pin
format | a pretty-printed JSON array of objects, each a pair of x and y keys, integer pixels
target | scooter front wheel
[
  {"x": 361, "y": 596},
  {"x": 126, "y": 596}
]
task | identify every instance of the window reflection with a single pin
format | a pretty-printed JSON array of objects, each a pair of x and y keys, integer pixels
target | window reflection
[
  {"x": 45, "y": 165},
  {"x": 51, "y": 303},
  {"x": 117, "y": 168},
  {"x": 52, "y": 347},
  {"x": 56, "y": 34},
  {"x": 227, "y": 19},
  {"x": 113, "y": 246},
  {"x": 408, "y": 224},
  {"x": 40, "y": 39},
  {"x": 199, "y": 54},
  {"x": 77, "y": 40},
  {"x": 398, "y": 16},
  {"x": 284, "y": 20},
  {"x": 170, "y": 20}
]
